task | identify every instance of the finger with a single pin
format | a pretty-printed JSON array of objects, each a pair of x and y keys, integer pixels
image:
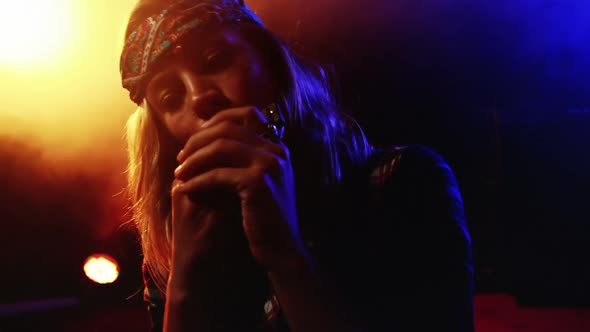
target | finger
[
  {"x": 176, "y": 196},
  {"x": 247, "y": 116},
  {"x": 248, "y": 183},
  {"x": 227, "y": 130},
  {"x": 191, "y": 217},
  {"x": 233, "y": 179},
  {"x": 219, "y": 154},
  {"x": 181, "y": 212}
]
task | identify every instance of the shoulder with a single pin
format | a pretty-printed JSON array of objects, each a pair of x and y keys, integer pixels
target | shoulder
[
  {"x": 415, "y": 165},
  {"x": 413, "y": 156},
  {"x": 416, "y": 227},
  {"x": 415, "y": 189}
]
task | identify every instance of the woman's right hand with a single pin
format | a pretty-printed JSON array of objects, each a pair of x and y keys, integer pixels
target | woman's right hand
[
  {"x": 190, "y": 225},
  {"x": 194, "y": 227},
  {"x": 190, "y": 290},
  {"x": 207, "y": 237},
  {"x": 210, "y": 260}
]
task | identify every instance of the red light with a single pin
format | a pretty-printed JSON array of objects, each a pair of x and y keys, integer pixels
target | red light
[{"x": 101, "y": 268}]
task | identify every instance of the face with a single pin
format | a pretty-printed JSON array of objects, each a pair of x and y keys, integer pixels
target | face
[{"x": 206, "y": 73}]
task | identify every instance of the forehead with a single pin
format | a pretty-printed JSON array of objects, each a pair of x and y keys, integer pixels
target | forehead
[{"x": 195, "y": 43}]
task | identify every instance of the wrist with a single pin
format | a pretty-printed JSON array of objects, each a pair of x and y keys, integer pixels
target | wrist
[
  {"x": 179, "y": 288},
  {"x": 189, "y": 277},
  {"x": 186, "y": 308},
  {"x": 291, "y": 267}
]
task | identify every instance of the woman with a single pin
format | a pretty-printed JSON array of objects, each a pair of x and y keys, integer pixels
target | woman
[{"x": 260, "y": 206}]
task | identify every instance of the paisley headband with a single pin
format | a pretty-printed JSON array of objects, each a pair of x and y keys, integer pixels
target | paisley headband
[{"x": 158, "y": 33}]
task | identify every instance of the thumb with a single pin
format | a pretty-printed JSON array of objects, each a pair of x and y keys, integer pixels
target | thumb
[{"x": 176, "y": 194}]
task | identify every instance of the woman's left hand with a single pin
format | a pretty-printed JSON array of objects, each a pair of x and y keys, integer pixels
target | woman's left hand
[{"x": 228, "y": 154}]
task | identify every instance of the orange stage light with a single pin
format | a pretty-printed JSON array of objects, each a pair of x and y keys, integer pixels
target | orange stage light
[{"x": 101, "y": 268}]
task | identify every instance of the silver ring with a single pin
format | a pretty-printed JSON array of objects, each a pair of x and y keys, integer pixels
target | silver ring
[
  {"x": 271, "y": 132},
  {"x": 274, "y": 116}
]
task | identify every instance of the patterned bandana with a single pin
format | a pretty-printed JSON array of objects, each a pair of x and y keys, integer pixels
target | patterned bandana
[{"x": 158, "y": 33}]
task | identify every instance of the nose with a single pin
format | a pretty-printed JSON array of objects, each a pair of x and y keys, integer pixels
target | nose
[{"x": 203, "y": 97}]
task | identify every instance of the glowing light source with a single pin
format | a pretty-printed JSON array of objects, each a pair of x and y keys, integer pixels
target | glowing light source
[
  {"x": 101, "y": 268},
  {"x": 33, "y": 30}
]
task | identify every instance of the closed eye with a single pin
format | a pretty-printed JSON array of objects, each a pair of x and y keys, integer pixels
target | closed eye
[{"x": 171, "y": 100}]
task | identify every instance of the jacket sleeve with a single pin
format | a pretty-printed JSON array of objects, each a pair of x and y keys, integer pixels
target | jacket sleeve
[{"x": 424, "y": 267}]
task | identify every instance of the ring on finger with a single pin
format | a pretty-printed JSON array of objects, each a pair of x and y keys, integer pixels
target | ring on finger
[
  {"x": 274, "y": 117},
  {"x": 271, "y": 132}
]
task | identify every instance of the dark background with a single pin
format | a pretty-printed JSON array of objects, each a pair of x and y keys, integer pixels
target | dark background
[{"x": 500, "y": 89}]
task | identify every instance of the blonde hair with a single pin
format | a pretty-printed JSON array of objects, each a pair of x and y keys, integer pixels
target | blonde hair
[{"x": 149, "y": 192}]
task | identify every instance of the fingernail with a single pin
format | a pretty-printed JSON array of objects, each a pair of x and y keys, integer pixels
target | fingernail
[
  {"x": 178, "y": 186},
  {"x": 180, "y": 155},
  {"x": 178, "y": 169},
  {"x": 206, "y": 124}
]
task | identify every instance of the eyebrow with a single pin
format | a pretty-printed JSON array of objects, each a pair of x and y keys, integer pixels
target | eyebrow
[{"x": 159, "y": 77}]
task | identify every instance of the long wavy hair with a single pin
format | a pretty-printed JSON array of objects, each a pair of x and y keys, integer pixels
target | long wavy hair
[{"x": 316, "y": 130}]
